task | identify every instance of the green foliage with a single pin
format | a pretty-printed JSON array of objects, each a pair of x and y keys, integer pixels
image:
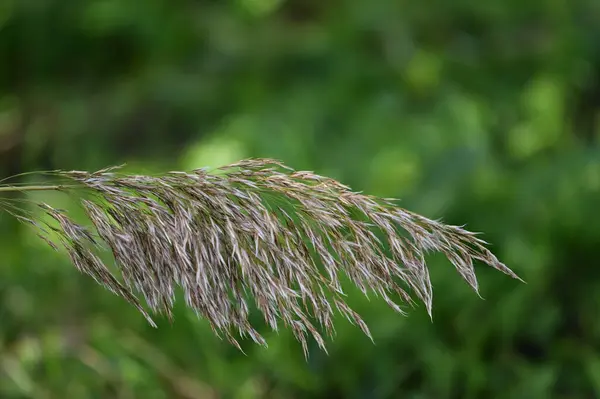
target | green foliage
[{"x": 482, "y": 113}]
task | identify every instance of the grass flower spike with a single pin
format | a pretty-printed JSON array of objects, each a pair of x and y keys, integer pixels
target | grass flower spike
[{"x": 254, "y": 231}]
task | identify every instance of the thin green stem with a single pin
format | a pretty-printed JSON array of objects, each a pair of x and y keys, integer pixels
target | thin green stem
[{"x": 58, "y": 187}]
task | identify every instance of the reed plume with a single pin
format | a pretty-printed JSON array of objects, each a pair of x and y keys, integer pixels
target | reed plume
[{"x": 254, "y": 230}]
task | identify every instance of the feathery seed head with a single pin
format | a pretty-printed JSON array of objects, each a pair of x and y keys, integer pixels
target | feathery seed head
[{"x": 258, "y": 230}]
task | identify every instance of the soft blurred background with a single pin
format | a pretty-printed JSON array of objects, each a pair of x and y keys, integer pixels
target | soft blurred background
[{"x": 485, "y": 113}]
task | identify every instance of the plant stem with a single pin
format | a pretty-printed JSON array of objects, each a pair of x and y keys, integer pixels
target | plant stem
[{"x": 36, "y": 188}]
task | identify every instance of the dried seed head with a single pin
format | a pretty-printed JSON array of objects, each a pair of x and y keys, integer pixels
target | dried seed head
[{"x": 260, "y": 231}]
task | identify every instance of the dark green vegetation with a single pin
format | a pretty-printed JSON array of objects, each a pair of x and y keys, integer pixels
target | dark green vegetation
[{"x": 483, "y": 113}]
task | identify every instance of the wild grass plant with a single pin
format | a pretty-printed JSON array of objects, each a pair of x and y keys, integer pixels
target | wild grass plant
[{"x": 255, "y": 230}]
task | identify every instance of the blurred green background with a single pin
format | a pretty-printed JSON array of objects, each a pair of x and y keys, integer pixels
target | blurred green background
[{"x": 485, "y": 113}]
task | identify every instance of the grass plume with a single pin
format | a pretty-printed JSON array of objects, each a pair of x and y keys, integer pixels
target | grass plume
[{"x": 257, "y": 230}]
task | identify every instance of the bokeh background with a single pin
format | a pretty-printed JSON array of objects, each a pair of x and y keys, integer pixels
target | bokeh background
[{"x": 485, "y": 113}]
